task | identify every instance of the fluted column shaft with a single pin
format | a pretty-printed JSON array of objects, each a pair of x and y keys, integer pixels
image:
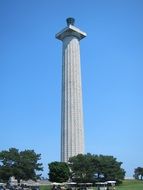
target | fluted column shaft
[{"x": 72, "y": 140}]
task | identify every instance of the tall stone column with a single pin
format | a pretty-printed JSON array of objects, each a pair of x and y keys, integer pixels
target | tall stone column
[{"x": 72, "y": 130}]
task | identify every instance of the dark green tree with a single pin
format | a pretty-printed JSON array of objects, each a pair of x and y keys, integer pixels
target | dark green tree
[
  {"x": 109, "y": 168},
  {"x": 92, "y": 168},
  {"x": 82, "y": 167},
  {"x": 138, "y": 173},
  {"x": 58, "y": 172},
  {"x": 21, "y": 164}
]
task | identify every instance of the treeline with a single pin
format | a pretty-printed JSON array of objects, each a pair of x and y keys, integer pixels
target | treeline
[
  {"x": 87, "y": 168},
  {"x": 26, "y": 165}
]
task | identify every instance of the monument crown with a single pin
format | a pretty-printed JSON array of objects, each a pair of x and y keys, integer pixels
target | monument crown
[{"x": 70, "y": 30}]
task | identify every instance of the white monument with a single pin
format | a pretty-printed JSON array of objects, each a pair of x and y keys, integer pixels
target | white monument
[{"x": 72, "y": 131}]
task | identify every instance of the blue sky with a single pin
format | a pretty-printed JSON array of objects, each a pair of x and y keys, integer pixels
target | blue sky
[{"x": 112, "y": 67}]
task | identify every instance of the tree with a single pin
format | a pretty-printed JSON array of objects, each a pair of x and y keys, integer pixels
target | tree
[
  {"x": 138, "y": 173},
  {"x": 91, "y": 168},
  {"x": 58, "y": 172},
  {"x": 110, "y": 168},
  {"x": 21, "y": 164},
  {"x": 82, "y": 168}
]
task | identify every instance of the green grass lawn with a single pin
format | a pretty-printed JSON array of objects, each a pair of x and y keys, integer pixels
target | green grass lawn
[
  {"x": 126, "y": 185},
  {"x": 131, "y": 185},
  {"x": 45, "y": 188}
]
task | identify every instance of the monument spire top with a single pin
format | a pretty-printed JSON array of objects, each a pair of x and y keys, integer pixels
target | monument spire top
[{"x": 70, "y": 20}]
